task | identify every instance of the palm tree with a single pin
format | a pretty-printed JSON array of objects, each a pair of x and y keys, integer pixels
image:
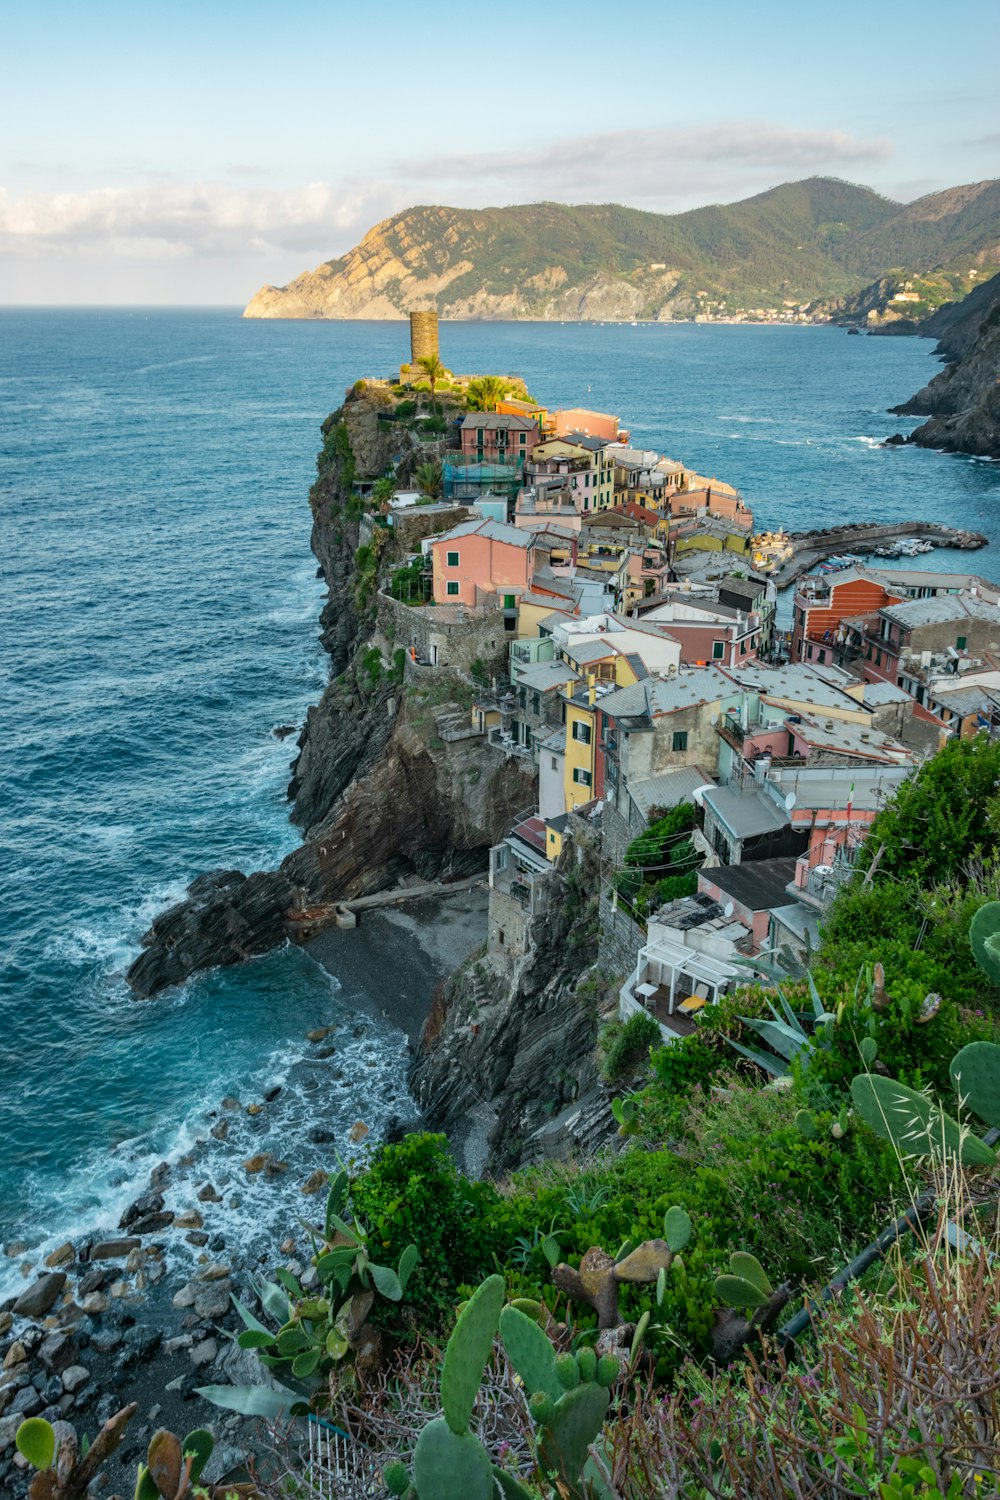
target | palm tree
[
  {"x": 486, "y": 391},
  {"x": 433, "y": 369},
  {"x": 427, "y": 478}
]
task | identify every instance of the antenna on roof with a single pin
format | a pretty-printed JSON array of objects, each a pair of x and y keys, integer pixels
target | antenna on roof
[
  {"x": 728, "y": 909},
  {"x": 714, "y": 720},
  {"x": 790, "y": 801}
]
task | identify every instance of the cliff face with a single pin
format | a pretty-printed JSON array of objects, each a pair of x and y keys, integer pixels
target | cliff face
[
  {"x": 515, "y": 1048},
  {"x": 375, "y": 789},
  {"x": 963, "y": 401}
]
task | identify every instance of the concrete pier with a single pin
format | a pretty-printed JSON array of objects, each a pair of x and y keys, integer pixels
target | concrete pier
[{"x": 812, "y": 547}]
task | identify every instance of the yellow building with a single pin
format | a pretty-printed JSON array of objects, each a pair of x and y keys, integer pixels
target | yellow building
[
  {"x": 613, "y": 668},
  {"x": 591, "y": 469}
]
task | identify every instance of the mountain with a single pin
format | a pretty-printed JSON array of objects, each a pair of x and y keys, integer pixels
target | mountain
[
  {"x": 963, "y": 401},
  {"x": 783, "y": 251}
]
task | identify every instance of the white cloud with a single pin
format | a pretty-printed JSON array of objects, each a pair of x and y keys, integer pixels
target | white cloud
[
  {"x": 654, "y": 164},
  {"x": 651, "y": 166},
  {"x": 182, "y": 219}
]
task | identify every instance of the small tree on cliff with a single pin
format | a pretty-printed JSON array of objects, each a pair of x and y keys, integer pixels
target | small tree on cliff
[
  {"x": 427, "y": 478},
  {"x": 486, "y": 391}
]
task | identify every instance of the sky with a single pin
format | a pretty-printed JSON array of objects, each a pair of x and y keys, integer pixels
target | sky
[{"x": 189, "y": 153}]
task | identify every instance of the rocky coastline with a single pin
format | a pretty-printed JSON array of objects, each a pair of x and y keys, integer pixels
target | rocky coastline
[
  {"x": 142, "y": 1309},
  {"x": 962, "y": 402}
]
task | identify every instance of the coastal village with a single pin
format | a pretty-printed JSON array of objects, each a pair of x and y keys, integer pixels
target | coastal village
[
  {"x": 572, "y": 671},
  {"x": 615, "y": 612}
]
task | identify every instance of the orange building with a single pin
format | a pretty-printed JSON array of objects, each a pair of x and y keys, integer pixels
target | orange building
[
  {"x": 823, "y": 602},
  {"x": 596, "y": 424}
]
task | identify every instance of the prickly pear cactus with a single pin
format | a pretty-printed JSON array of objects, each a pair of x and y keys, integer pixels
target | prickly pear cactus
[
  {"x": 984, "y": 939},
  {"x": 569, "y": 1397}
]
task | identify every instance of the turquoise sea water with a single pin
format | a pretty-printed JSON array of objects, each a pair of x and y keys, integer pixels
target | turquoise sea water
[{"x": 158, "y": 618}]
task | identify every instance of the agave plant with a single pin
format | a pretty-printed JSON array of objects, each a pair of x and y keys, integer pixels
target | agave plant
[
  {"x": 785, "y": 1032},
  {"x": 317, "y": 1330}
]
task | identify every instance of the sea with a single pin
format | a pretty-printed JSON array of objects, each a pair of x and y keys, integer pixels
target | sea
[{"x": 158, "y": 622}]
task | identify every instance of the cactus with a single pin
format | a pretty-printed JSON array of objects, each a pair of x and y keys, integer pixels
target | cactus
[
  {"x": 468, "y": 1352},
  {"x": 975, "y": 1072},
  {"x": 530, "y": 1352},
  {"x": 624, "y": 1111},
  {"x": 744, "y": 1287},
  {"x": 446, "y": 1463},
  {"x": 745, "y": 1284},
  {"x": 677, "y": 1228},
  {"x": 573, "y": 1392},
  {"x": 984, "y": 939},
  {"x": 567, "y": 1403},
  {"x": 914, "y": 1124},
  {"x": 567, "y": 1435},
  {"x": 36, "y": 1441},
  {"x": 869, "y": 1050},
  {"x": 805, "y": 1124},
  {"x": 63, "y": 1474}
]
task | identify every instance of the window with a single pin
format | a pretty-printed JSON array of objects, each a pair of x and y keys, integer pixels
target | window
[
  {"x": 555, "y": 763},
  {"x": 960, "y": 643},
  {"x": 536, "y": 706},
  {"x": 510, "y": 601},
  {"x": 680, "y": 739},
  {"x": 479, "y": 436},
  {"x": 523, "y": 438},
  {"x": 453, "y": 559},
  {"x": 581, "y": 778},
  {"x": 822, "y": 657},
  {"x": 581, "y": 731},
  {"x": 718, "y": 650},
  {"x": 451, "y": 588}
]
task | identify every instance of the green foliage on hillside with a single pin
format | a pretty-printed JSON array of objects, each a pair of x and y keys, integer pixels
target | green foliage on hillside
[{"x": 819, "y": 238}]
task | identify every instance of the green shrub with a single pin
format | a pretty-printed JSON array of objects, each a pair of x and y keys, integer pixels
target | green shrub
[
  {"x": 413, "y": 1192},
  {"x": 626, "y": 1045}
]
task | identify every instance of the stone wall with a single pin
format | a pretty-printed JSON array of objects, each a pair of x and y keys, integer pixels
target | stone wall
[
  {"x": 446, "y": 636},
  {"x": 411, "y": 524},
  {"x": 507, "y": 933},
  {"x": 615, "y": 832},
  {"x": 621, "y": 939}
]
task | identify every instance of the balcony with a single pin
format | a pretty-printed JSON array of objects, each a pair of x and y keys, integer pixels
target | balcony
[{"x": 673, "y": 983}]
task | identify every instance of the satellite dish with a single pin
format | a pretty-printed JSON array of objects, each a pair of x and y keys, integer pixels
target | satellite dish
[
  {"x": 714, "y": 720},
  {"x": 790, "y": 801},
  {"x": 728, "y": 909}
]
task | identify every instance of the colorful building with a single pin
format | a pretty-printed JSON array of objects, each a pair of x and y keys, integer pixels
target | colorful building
[{"x": 480, "y": 559}]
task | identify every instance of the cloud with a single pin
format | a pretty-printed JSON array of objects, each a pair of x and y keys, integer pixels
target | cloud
[
  {"x": 657, "y": 163},
  {"x": 213, "y": 221},
  {"x": 184, "y": 218}
]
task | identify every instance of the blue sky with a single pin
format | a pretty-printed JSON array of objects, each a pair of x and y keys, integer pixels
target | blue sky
[{"x": 191, "y": 152}]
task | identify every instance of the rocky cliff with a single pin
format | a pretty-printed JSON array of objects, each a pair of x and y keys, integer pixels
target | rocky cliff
[
  {"x": 512, "y": 1046},
  {"x": 963, "y": 401},
  {"x": 803, "y": 241},
  {"x": 376, "y": 791}
]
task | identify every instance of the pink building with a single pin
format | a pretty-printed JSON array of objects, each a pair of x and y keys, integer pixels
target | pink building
[
  {"x": 751, "y": 892},
  {"x": 479, "y": 559},
  {"x": 489, "y": 437}
]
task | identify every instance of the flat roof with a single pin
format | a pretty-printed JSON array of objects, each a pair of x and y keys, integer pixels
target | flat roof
[
  {"x": 669, "y": 788},
  {"x": 747, "y": 815},
  {"x": 545, "y": 676},
  {"x": 759, "y": 885}
]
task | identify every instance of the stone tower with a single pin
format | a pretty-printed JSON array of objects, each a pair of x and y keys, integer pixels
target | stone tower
[{"x": 423, "y": 335}]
